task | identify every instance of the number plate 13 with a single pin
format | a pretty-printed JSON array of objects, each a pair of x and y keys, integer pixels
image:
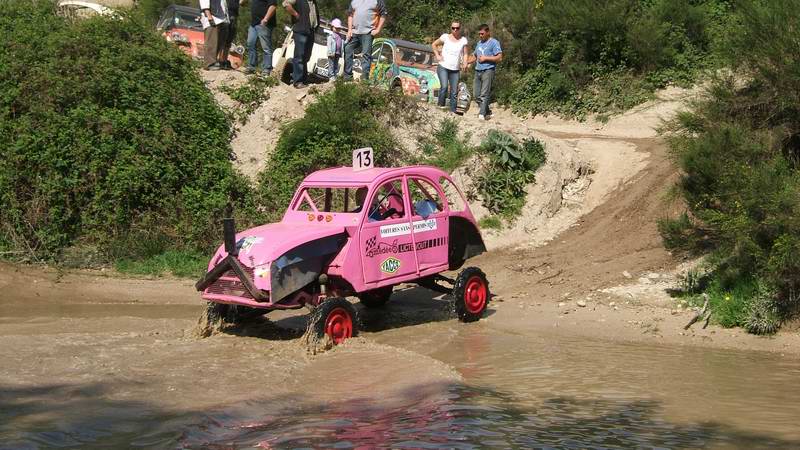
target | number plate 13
[{"x": 363, "y": 159}]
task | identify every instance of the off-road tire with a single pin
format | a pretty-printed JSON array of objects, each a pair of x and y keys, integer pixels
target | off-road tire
[
  {"x": 470, "y": 294},
  {"x": 376, "y": 298},
  {"x": 335, "y": 317}
]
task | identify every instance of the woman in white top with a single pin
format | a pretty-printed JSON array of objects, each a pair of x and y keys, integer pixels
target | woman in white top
[{"x": 452, "y": 53}]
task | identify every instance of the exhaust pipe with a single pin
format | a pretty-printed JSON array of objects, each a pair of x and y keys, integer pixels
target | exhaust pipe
[{"x": 229, "y": 232}]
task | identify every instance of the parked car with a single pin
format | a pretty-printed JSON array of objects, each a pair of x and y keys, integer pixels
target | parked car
[
  {"x": 411, "y": 68},
  {"x": 318, "y": 65},
  {"x": 76, "y": 9},
  {"x": 181, "y": 26},
  {"x": 351, "y": 233}
]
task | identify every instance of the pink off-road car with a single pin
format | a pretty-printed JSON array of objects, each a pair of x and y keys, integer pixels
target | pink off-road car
[{"x": 346, "y": 233}]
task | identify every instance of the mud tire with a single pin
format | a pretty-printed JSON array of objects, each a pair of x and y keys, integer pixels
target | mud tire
[
  {"x": 470, "y": 294},
  {"x": 334, "y": 317},
  {"x": 375, "y": 298}
]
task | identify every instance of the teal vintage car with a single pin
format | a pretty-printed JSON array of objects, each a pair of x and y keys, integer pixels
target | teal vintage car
[{"x": 410, "y": 68}]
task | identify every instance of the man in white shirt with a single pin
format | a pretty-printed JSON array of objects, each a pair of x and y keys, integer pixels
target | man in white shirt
[{"x": 215, "y": 22}]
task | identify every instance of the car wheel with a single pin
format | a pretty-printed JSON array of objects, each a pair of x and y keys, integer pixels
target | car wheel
[
  {"x": 376, "y": 298},
  {"x": 470, "y": 294},
  {"x": 335, "y": 317}
]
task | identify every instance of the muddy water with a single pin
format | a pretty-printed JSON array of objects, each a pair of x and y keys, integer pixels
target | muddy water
[{"x": 448, "y": 385}]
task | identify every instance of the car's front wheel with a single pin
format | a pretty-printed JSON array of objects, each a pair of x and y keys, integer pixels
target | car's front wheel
[{"x": 470, "y": 294}]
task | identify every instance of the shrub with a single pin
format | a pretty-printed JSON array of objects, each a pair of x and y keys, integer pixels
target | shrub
[
  {"x": 509, "y": 168},
  {"x": 739, "y": 151},
  {"x": 347, "y": 117},
  {"x": 109, "y": 128}
]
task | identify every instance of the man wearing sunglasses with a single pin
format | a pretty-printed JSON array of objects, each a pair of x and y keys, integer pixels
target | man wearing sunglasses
[{"x": 487, "y": 54}]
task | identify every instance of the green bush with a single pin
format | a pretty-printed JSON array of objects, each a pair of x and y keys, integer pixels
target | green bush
[
  {"x": 109, "y": 128},
  {"x": 508, "y": 169},
  {"x": 739, "y": 151},
  {"x": 347, "y": 117}
]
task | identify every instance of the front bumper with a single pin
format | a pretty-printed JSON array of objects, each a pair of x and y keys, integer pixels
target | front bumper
[{"x": 230, "y": 282}]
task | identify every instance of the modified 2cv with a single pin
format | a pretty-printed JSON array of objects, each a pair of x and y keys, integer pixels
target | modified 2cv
[{"x": 351, "y": 232}]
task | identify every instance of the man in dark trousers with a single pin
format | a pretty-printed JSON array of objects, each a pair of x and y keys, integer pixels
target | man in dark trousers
[
  {"x": 305, "y": 20},
  {"x": 233, "y": 17},
  {"x": 215, "y": 28},
  {"x": 262, "y": 24}
]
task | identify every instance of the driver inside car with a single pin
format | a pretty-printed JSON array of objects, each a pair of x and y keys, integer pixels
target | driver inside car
[{"x": 387, "y": 203}]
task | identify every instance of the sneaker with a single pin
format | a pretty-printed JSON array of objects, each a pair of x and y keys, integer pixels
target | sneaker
[
  {"x": 248, "y": 70},
  {"x": 215, "y": 66},
  {"x": 481, "y": 117},
  {"x": 444, "y": 107},
  {"x": 300, "y": 85}
]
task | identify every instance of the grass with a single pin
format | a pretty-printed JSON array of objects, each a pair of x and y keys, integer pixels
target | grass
[
  {"x": 491, "y": 223},
  {"x": 184, "y": 264},
  {"x": 446, "y": 150},
  {"x": 730, "y": 305}
]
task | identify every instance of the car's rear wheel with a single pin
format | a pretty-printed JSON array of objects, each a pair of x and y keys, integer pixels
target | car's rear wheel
[
  {"x": 376, "y": 298},
  {"x": 336, "y": 318},
  {"x": 470, "y": 294}
]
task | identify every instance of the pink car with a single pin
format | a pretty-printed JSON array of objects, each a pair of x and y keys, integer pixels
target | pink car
[{"x": 351, "y": 233}]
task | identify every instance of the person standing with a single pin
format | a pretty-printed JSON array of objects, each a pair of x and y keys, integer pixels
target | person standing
[
  {"x": 335, "y": 45},
  {"x": 262, "y": 24},
  {"x": 215, "y": 28},
  {"x": 451, "y": 52},
  {"x": 233, "y": 18},
  {"x": 365, "y": 20},
  {"x": 487, "y": 54},
  {"x": 304, "y": 23}
]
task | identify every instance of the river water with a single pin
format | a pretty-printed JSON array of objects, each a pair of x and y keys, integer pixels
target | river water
[
  {"x": 497, "y": 389},
  {"x": 450, "y": 385}
]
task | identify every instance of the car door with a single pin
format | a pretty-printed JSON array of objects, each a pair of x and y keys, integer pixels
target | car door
[
  {"x": 385, "y": 241},
  {"x": 430, "y": 224},
  {"x": 384, "y": 65}
]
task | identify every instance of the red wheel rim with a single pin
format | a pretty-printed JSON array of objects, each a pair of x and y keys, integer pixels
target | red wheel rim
[
  {"x": 339, "y": 325},
  {"x": 475, "y": 295}
]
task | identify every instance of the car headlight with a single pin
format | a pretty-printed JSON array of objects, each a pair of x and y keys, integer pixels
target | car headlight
[
  {"x": 177, "y": 37},
  {"x": 423, "y": 86},
  {"x": 463, "y": 93}
]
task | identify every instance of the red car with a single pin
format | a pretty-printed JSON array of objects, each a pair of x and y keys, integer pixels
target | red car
[{"x": 181, "y": 25}]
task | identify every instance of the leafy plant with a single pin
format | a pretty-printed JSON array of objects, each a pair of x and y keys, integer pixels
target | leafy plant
[
  {"x": 509, "y": 168},
  {"x": 445, "y": 148}
]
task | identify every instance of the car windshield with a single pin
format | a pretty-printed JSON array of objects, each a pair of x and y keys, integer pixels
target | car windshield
[
  {"x": 410, "y": 56},
  {"x": 331, "y": 199},
  {"x": 180, "y": 19}
]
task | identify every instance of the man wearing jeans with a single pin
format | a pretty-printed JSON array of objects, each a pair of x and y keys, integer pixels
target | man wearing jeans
[
  {"x": 233, "y": 17},
  {"x": 262, "y": 22},
  {"x": 365, "y": 19},
  {"x": 304, "y": 23},
  {"x": 487, "y": 54}
]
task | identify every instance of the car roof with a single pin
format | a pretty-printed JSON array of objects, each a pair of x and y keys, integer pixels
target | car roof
[
  {"x": 348, "y": 175},
  {"x": 411, "y": 45},
  {"x": 182, "y": 8}
]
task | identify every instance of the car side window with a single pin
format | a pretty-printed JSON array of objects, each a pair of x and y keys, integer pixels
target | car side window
[
  {"x": 455, "y": 201},
  {"x": 387, "y": 203},
  {"x": 425, "y": 198},
  {"x": 387, "y": 54},
  {"x": 376, "y": 51}
]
